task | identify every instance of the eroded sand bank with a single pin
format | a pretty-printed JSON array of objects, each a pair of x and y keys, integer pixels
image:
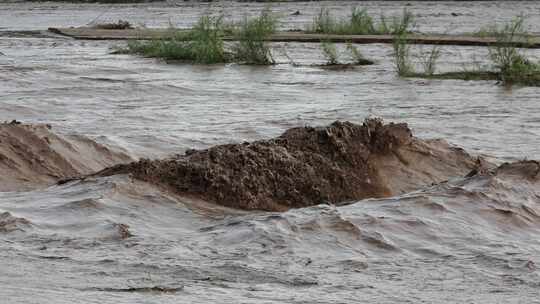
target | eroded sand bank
[
  {"x": 33, "y": 155},
  {"x": 308, "y": 166}
]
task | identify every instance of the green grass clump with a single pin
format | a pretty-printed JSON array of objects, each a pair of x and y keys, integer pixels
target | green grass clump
[
  {"x": 510, "y": 64},
  {"x": 323, "y": 22},
  {"x": 207, "y": 43},
  {"x": 405, "y": 67},
  {"x": 513, "y": 30},
  {"x": 521, "y": 71},
  {"x": 330, "y": 53},
  {"x": 402, "y": 58},
  {"x": 504, "y": 54},
  {"x": 360, "y": 23},
  {"x": 459, "y": 75},
  {"x": 357, "y": 57},
  {"x": 509, "y": 60},
  {"x": 429, "y": 60},
  {"x": 169, "y": 49},
  {"x": 251, "y": 35},
  {"x": 203, "y": 44},
  {"x": 398, "y": 25}
]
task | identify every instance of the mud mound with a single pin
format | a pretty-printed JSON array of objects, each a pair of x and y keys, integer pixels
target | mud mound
[
  {"x": 307, "y": 166},
  {"x": 32, "y": 155}
]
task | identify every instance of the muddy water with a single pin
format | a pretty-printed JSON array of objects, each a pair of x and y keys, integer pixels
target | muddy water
[{"x": 69, "y": 243}]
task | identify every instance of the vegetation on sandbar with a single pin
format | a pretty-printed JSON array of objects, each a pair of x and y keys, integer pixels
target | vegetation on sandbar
[
  {"x": 332, "y": 55},
  {"x": 361, "y": 23},
  {"x": 509, "y": 64},
  {"x": 204, "y": 42},
  {"x": 251, "y": 36}
]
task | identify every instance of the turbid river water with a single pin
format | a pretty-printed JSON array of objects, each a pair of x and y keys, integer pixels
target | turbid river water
[{"x": 445, "y": 244}]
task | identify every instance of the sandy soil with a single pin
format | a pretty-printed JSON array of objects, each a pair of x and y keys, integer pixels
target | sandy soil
[{"x": 33, "y": 156}]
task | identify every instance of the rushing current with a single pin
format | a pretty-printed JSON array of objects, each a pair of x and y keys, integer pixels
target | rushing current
[{"x": 118, "y": 240}]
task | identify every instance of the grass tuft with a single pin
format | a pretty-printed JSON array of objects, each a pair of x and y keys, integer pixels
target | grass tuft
[
  {"x": 510, "y": 64},
  {"x": 330, "y": 53},
  {"x": 251, "y": 34},
  {"x": 509, "y": 60},
  {"x": 357, "y": 57},
  {"x": 402, "y": 60},
  {"x": 429, "y": 60},
  {"x": 207, "y": 44},
  {"x": 203, "y": 44},
  {"x": 361, "y": 23}
]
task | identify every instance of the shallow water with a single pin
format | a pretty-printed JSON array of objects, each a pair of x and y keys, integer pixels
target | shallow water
[{"x": 442, "y": 246}]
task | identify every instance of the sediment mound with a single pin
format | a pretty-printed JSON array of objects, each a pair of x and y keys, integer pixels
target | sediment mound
[
  {"x": 32, "y": 155},
  {"x": 307, "y": 166}
]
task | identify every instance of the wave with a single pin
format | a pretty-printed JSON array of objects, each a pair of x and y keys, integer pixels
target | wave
[{"x": 32, "y": 156}]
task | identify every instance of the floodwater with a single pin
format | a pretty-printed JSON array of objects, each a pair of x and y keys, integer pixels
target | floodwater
[{"x": 446, "y": 244}]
